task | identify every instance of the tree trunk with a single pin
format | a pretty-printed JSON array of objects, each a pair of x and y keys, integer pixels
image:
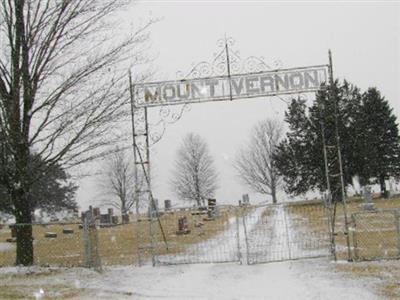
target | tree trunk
[
  {"x": 123, "y": 207},
  {"x": 273, "y": 194},
  {"x": 384, "y": 193},
  {"x": 24, "y": 228}
]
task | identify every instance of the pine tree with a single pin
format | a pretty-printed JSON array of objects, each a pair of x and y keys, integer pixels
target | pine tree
[
  {"x": 379, "y": 140},
  {"x": 51, "y": 191},
  {"x": 300, "y": 157}
]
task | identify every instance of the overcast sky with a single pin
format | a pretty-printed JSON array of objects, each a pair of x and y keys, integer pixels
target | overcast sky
[{"x": 363, "y": 37}]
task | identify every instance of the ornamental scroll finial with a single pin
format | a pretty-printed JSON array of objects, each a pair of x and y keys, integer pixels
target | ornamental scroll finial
[{"x": 218, "y": 66}]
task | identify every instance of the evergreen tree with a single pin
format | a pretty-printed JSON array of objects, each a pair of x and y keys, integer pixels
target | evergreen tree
[
  {"x": 52, "y": 190},
  {"x": 300, "y": 157},
  {"x": 378, "y": 139}
]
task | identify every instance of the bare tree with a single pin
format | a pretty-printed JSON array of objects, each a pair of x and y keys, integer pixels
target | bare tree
[
  {"x": 121, "y": 188},
  {"x": 62, "y": 89},
  {"x": 255, "y": 162},
  {"x": 194, "y": 176}
]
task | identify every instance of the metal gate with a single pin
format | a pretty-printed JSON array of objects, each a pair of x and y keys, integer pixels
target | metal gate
[
  {"x": 202, "y": 239},
  {"x": 287, "y": 232},
  {"x": 250, "y": 234}
]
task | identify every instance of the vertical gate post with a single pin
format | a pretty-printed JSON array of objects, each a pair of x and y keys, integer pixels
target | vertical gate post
[
  {"x": 245, "y": 237},
  {"x": 329, "y": 217},
  {"x": 239, "y": 255},
  {"x": 355, "y": 241},
  {"x": 86, "y": 241},
  {"x": 397, "y": 221},
  {"x": 139, "y": 241},
  {"x": 152, "y": 242},
  {"x": 91, "y": 242}
]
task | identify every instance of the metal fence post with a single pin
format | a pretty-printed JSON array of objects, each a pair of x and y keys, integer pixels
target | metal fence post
[
  {"x": 245, "y": 237},
  {"x": 95, "y": 244},
  {"x": 86, "y": 241},
  {"x": 329, "y": 217},
  {"x": 355, "y": 241},
  {"x": 139, "y": 241},
  {"x": 91, "y": 242},
  {"x": 239, "y": 254},
  {"x": 397, "y": 220},
  {"x": 152, "y": 242}
]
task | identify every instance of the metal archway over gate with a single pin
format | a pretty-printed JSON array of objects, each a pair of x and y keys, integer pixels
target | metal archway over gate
[{"x": 249, "y": 234}]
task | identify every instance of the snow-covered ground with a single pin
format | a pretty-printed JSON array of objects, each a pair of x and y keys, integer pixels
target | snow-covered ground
[
  {"x": 6, "y": 247},
  {"x": 282, "y": 235},
  {"x": 298, "y": 280},
  {"x": 301, "y": 280},
  {"x": 312, "y": 279}
]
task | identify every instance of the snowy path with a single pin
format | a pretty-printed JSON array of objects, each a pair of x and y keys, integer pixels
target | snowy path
[{"x": 283, "y": 236}]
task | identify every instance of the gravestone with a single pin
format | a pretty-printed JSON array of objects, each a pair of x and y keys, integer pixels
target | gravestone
[
  {"x": 212, "y": 212},
  {"x": 125, "y": 218},
  {"x": 68, "y": 231},
  {"x": 96, "y": 212},
  {"x": 105, "y": 219},
  {"x": 183, "y": 227},
  {"x": 167, "y": 205},
  {"x": 50, "y": 235},
  {"x": 245, "y": 199},
  {"x": 13, "y": 231},
  {"x": 368, "y": 204}
]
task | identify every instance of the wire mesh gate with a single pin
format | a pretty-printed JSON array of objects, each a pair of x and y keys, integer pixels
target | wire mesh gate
[
  {"x": 251, "y": 234},
  {"x": 202, "y": 239},
  {"x": 287, "y": 232}
]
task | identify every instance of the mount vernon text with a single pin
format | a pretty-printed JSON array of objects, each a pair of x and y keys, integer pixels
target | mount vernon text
[{"x": 298, "y": 80}]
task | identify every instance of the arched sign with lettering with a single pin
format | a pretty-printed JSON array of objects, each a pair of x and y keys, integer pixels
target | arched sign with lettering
[{"x": 219, "y": 88}]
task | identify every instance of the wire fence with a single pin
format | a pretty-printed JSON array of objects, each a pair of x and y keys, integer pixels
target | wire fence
[
  {"x": 58, "y": 244},
  {"x": 376, "y": 235},
  {"x": 246, "y": 234}
]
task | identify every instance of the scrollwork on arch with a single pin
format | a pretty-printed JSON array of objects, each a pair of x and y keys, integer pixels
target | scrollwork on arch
[{"x": 218, "y": 66}]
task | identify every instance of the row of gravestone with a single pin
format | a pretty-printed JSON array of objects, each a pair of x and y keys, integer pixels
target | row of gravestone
[
  {"x": 47, "y": 234},
  {"x": 107, "y": 219},
  {"x": 211, "y": 212}
]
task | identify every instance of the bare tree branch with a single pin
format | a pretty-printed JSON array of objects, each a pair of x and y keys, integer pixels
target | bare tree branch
[
  {"x": 194, "y": 176},
  {"x": 255, "y": 162},
  {"x": 63, "y": 90},
  {"x": 118, "y": 185}
]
